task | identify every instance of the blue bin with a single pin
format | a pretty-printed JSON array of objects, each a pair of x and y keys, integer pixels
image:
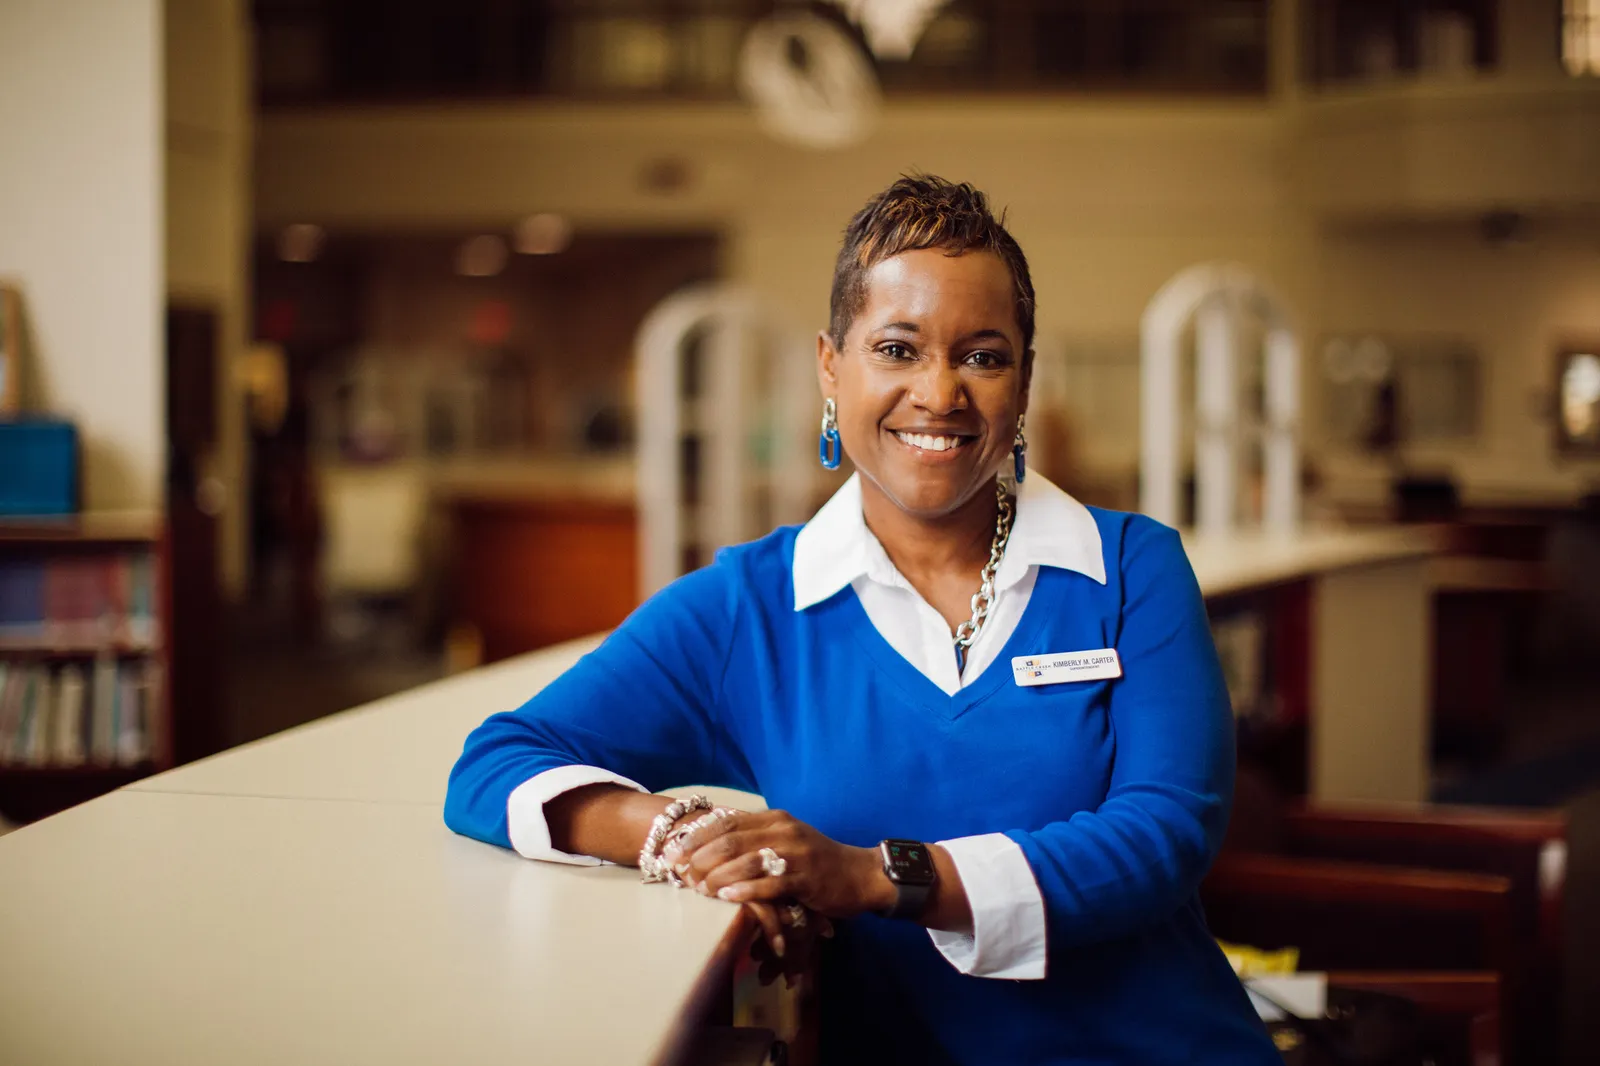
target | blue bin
[{"x": 38, "y": 467}]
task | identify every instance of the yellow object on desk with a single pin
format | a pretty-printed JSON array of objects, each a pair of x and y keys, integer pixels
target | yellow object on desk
[{"x": 1250, "y": 962}]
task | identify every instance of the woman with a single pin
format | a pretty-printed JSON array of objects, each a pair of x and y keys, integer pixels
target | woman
[{"x": 992, "y": 727}]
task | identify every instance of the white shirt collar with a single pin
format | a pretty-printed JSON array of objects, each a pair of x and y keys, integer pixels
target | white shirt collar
[{"x": 836, "y": 547}]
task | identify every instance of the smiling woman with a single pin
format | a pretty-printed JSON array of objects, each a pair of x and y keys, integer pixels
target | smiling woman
[
  {"x": 928, "y": 356},
  {"x": 952, "y": 797}
]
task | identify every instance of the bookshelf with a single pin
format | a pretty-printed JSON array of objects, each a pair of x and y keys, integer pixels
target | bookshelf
[{"x": 84, "y": 704}]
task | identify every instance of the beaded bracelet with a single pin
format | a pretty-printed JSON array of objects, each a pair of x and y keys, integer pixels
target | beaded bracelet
[
  {"x": 683, "y": 832},
  {"x": 652, "y": 867}
]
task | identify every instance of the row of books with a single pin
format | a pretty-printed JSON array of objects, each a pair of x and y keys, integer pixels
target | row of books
[
  {"x": 79, "y": 599},
  {"x": 104, "y": 713}
]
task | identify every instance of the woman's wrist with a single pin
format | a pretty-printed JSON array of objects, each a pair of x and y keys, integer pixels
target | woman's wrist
[
  {"x": 947, "y": 906},
  {"x": 603, "y": 820},
  {"x": 874, "y": 889}
]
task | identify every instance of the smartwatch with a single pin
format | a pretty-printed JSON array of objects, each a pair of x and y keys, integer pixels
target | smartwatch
[{"x": 909, "y": 867}]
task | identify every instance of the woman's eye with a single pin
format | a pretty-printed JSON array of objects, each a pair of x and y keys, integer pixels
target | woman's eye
[
  {"x": 985, "y": 360},
  {"x": 896, "y": 351}
]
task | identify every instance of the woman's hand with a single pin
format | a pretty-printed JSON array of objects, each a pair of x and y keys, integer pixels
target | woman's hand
[
  {"x": 789, "y": 939},
  {"x": 834, "y": 880}
]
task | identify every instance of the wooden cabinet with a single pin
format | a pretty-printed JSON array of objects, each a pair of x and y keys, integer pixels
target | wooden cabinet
[{"x": 530, "y": 573}]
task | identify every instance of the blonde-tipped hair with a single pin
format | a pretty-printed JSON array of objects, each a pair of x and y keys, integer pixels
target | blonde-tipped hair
[{"x": 922, "y": 211}]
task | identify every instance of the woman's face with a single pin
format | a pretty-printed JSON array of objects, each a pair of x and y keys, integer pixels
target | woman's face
[{"x": 931, "y": 378}]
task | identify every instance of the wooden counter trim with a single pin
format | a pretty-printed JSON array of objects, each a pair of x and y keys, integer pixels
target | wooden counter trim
[
  {"x": 1462, "y": 992},
  {"x": 715, "y": 982}
]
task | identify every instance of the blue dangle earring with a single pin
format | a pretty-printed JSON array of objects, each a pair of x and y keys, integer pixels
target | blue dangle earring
[
  {"x": 1019, "y": 451},
  {"x": 829, "y": 451}
]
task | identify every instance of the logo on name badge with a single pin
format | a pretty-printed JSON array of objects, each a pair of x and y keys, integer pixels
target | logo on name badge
[{"x": 1099, "y": 665}]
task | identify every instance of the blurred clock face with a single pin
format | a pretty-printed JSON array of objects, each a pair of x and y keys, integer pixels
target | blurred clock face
[
  {"x": 810, "y": 83},
  {"x": 891, "y": 26}
]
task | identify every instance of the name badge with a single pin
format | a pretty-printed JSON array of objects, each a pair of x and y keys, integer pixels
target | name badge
[{"x": 1066, "y": 666}]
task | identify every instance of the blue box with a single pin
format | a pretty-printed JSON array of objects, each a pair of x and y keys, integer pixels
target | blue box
[{"x": 38, "y": 467}]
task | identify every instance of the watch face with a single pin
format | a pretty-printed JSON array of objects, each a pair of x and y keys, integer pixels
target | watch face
[{"x": 907, "y": 862}]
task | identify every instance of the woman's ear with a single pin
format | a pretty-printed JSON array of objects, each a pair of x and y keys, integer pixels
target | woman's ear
[{"x": 827, "y": 363}]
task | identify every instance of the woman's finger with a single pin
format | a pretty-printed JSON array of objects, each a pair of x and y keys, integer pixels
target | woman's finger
[
  {"x": 762, "y": 888},
  {"x": 769, "y": 971},
  {"x": 746, "y": 867},
  {"x": 705, "y": 829},
  {"x": 766, "y": 916},
  {"x": 731, "y": 845}
]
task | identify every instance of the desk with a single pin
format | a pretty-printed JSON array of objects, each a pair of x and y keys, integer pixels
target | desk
[
  {"x": 299, "y": 900},
  {"x": 1353, "y": 608},
  {"x": 150, "y": 928}
]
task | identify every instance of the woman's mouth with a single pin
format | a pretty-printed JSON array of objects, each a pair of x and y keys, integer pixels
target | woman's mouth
[{"x": 933, "y": 442}]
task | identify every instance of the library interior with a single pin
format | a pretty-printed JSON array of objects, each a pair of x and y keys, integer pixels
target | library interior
[{"x": 364, "y": 364}]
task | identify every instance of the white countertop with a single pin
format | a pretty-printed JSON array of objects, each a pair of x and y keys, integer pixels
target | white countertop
[
  {"x": 151, "y": 929},
  {"x": 300, "y": 901},
  {"x": 1253, "y": 559}
]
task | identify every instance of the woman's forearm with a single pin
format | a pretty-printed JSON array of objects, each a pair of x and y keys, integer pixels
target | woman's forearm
[{"x": 606, "y": 821}]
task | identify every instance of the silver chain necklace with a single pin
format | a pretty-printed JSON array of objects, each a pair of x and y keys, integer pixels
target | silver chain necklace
[{"x": 983, "y": 599}]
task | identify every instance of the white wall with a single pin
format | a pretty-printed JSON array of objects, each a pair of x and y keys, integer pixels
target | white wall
[
  {"x": 80, "y": 224},
  {"x": 1515, "y": 303},
  {"x": 1108, "y": 198}
]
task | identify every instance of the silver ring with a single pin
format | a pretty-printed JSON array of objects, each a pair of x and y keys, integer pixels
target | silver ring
[
  {"x": 797, "y": 916},
  {"x": 772, "y": 864}
]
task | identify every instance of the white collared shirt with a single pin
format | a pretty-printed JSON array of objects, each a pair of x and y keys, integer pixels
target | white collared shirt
[{"x": 836, "y": 549}]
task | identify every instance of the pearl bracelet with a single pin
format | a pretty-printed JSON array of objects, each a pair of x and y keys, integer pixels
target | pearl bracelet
[
  {"x": 652, "y": 867},
  {"x": 684, "y": 832}
]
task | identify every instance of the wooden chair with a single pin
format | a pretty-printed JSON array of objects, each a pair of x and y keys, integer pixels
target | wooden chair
[{"x": 1402, "y": 889}]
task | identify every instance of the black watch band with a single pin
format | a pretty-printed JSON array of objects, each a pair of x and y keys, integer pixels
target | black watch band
[
  {"x": 909, "y": 901},
  {"x": 909, "y": 867}
]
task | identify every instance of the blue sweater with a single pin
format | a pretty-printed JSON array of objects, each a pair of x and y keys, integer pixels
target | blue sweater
[{"x": 1116, "y": 791}]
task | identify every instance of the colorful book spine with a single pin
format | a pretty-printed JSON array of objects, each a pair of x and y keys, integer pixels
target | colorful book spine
[
  {"x": 74, "y": 601},
  {"x": 66, "y": 717},
  {"x": 17, "y": 744},
  {"x": 21, "y": 598},
  {"x": 130, "y": 717},
  {"x": 41, "y": 725},
  {"x": 103, "y": 719},
  {"x": 10, "y": 707},
  {"x": 78, "y": 680},
  {"x": 67, "y": 748},
  {"x": 141, "y": 610}
]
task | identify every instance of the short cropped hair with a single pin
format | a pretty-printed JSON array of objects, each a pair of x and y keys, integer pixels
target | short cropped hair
[{"x": 922, "y": 211}]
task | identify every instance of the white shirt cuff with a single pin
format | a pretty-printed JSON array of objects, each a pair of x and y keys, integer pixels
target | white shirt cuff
[
  {"x": 525, "y": 821},
  {"x": 1008, "y": 929}
]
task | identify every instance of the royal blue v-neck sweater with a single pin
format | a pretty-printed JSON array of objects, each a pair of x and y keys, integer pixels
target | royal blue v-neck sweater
[{"x": 1117, "y": 791}]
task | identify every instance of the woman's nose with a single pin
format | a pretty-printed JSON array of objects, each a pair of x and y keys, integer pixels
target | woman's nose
[{"x": 939, "y": 389}]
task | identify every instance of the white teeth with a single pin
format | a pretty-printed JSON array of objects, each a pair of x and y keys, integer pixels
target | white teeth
[{"x": 930, "y": 443}]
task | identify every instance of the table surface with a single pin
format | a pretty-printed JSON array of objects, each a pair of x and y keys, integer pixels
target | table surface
[
  {"x": 147, "y": 928},
  {"x": 1253, "y": 558},
  {"x": 299, "y": 899}
]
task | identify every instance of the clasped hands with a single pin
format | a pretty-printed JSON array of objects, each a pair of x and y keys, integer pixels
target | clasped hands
[{"x": 830, "y": 880}]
